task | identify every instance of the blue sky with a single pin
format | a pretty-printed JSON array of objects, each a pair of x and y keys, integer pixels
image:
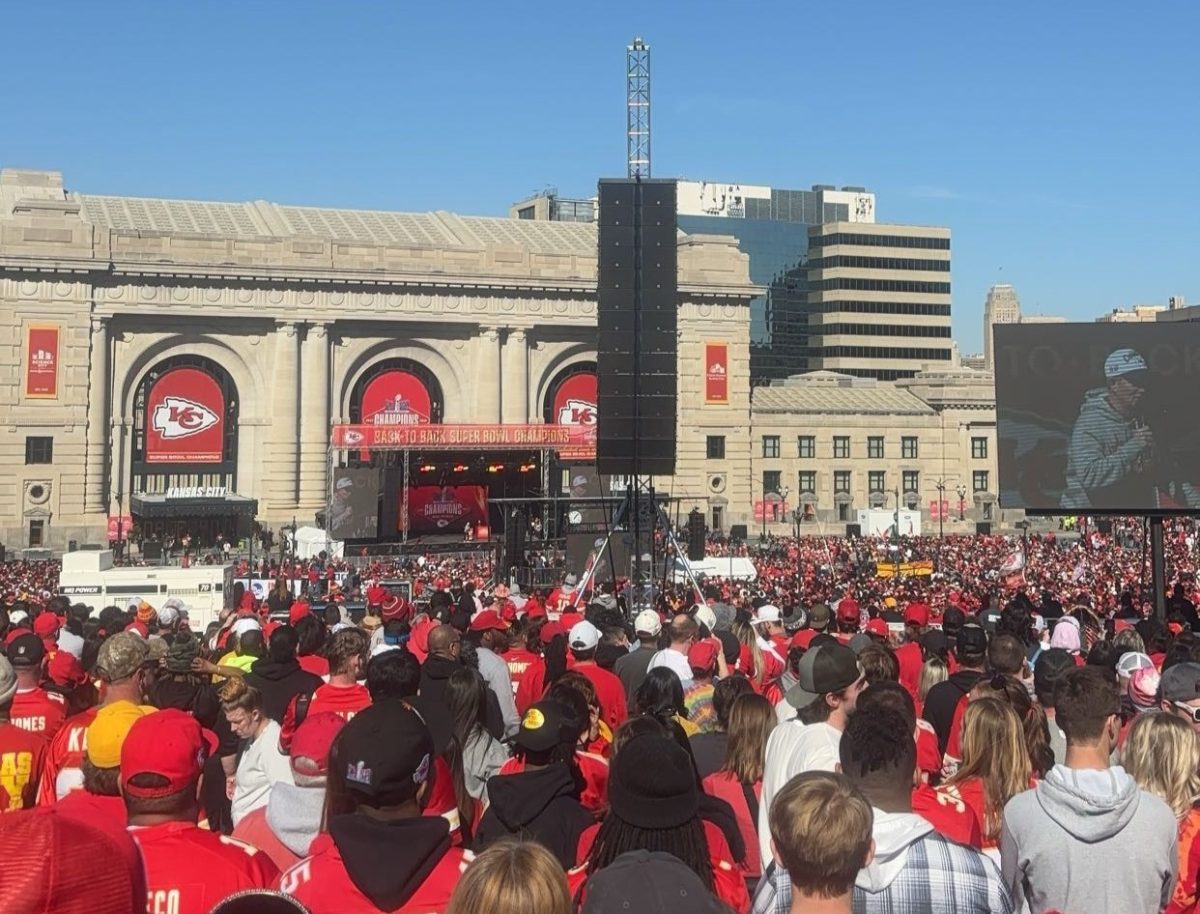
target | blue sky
[{"x": 1057, "y": 141}]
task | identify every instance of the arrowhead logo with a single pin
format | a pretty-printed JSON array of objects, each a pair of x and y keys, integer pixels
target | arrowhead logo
[
  {"x": 577, "y": 412},
  {"x": 176, "y": 418},
  {"x": 352, "y": 437}
]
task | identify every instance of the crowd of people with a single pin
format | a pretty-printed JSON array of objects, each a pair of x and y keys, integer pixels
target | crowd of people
[{"x": 998, "y": 735}]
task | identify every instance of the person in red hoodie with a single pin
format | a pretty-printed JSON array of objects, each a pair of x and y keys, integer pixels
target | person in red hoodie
[
  {"x": 379, "y": 853},
  {"x": 188, "y": 869},
  {"x": 583, "y": 640},
  {"x": 909, "y": 654}
]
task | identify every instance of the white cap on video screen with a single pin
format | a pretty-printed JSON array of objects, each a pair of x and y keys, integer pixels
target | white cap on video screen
[{"x": 1123, "y": 362}]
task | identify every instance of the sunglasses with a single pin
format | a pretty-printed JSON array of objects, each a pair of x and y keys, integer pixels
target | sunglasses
[{"x": 1193, "y": 712}]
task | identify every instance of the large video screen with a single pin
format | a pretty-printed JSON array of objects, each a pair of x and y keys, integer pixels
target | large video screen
[
  {"x": 355, "y": 504},
  {"x": 1098, "y": 418}
]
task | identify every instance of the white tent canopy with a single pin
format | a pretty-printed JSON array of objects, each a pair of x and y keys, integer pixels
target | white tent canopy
[{"x": 308, "y": 542}]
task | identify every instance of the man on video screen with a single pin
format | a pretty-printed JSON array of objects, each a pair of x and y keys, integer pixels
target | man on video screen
[{"x": 1112, "y": 459}]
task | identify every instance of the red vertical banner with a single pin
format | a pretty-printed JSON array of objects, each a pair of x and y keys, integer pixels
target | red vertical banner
[
  {"x": 41, "y": 361},
  {"x": 716, "y": 373},
  {"x": 185, "y": 418},
  {"x": 574, "y": 406}
]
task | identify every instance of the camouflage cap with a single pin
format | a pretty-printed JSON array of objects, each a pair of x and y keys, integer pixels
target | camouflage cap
[{"x": 120, "y": 657}]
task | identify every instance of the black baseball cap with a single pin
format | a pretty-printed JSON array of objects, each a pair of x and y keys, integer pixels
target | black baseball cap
[
  {"x": 385, "y": 753},
  {"x": 972, "y": 639},
  {"x": 26, "y": 650},
  {"x": 648, "y": 882},
  {"x": 832, "y": 667},
  {"x": 542, "y": 726},
  {"x": 1050, "y": 666}
]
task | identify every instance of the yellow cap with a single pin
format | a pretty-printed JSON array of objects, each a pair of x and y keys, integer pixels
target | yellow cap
[
  {"x": 107, "y": 732},
  {"x": 889, "y": 602}
]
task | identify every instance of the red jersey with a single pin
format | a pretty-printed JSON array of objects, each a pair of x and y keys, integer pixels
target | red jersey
[
  {"x": 929, "y": 760},
  {"x": 971, "y": 793},
  {"x": 519, "y": 661},
  {"x": 594, "y": 769},
  {"x": 188, "y": 869},
  {"x": 344, "y": 701},
  {"x": 948, "y": 814},
  {"x": 911, "y": 660},
  {"x": 63, "y": 771},
  {"x": 609, "y": 690},
  {"x": 39, "y": 711},
  {"x": 1186, "y": 896},
  {"x": 322, "y": 885},
  {"x": 104, "y": 813},
  {"x": 532, "y": 685},
  {"x": 729, "y": 885},
  {"x": 22, "y": 755},
  {"x": 254, "y": 830},
  {"x": 314, "y": 663}
]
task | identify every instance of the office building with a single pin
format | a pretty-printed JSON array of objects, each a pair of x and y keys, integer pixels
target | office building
[
  {"x": 1135, "y": 315},
  {"x": 1001, "y": 307}
]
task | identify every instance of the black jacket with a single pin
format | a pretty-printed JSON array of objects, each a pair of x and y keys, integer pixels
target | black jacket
[
  {"x": 943, "y": 699},
  {"x": 279, "y": 684},
  {"x": 541, "y": 805},
  {"x": 389, "y": 861},
  {"x": 431, "y": 702}
]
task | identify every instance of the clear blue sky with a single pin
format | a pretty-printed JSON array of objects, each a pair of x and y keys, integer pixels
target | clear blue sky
[{"x": 1057, "y": 141}]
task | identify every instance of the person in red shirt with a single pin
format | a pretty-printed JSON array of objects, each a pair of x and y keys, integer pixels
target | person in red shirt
[
  {"x": 532, "y": 687},
  {"x": 188, "y": 869},
  {"x": 520, "y": 657},
  {"x": 120, "y": 666},
  {"x": 849, "y": 618},
  {"x": 909, "y": 654},
  {"x": 99, "y": 802},
  {"x": 22, "y": 753},
  {"x": 343, "y": 695},
  {"x": 379, "y": 854},
  {"x": 583, "y": 640},
  {"x": 33, "y": 708}
]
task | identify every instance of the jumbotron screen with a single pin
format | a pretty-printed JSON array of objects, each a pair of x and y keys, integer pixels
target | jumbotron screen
[
  {"x": 1098, "y": 418},
  {"x": 355, "y": 504}
]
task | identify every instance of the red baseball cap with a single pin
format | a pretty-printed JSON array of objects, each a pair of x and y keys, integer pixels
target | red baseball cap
[
  {"x": 916, "y": 614},
  {"x": 488, "y": 620},
  {"x": 570, "y": 619},
  {"x": 535, "y": 610},
  {"x": 550, "y": 631},
  {"x": 299, "y": 610},
  {"x": 45, "y": 625},
  {"x": 877, "y": 627},
  {"x": 703, "y": 656},
  {"x": 803, "y": 638},
  {"x": 848, "y": 610},
  {"x": 65, "y": 670},
  {"x": 168, "y": 743},
  {"x": 312, "y": 742}
]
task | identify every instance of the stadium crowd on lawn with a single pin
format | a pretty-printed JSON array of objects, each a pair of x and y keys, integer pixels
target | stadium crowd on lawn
[{"x": 985, "y": 734}]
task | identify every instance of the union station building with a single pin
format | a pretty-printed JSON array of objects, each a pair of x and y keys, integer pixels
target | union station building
[{"x": 182, "y": 368}]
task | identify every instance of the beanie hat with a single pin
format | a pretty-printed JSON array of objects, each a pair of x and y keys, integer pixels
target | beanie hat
[
  {"x": 652, "y": 784},
  {"x": 181, "y": 652}
]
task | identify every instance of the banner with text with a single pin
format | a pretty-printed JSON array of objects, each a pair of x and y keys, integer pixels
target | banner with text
[
  {"x": 445, "y": 509},
  {"x": 41, "y": 362},
  {"x": 467, "y": 437},
  {"x": 574, "y": 406},
  {"x": 716, "y": 373},
  {"x": 185, "y": 418}
]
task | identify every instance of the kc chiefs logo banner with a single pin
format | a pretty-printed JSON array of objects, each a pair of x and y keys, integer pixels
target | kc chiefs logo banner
[
  {"x": 575, "y": 406},
  {"x": 185, "y": 418}
]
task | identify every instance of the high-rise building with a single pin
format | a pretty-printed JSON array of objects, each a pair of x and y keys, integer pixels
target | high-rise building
[
  {"x": 1001, "y": 307},
  {"x": 878, "y": 299}
]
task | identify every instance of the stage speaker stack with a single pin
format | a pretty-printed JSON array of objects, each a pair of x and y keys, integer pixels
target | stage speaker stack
[
  {"x": 514, "y": 538},
  {"x": 854, "y": 531},
  {"x": 695, "y": 536},
  {"x": 637, "y": 293}
]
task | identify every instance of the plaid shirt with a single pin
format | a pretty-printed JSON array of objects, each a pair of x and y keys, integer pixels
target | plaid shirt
[
  {"x": 939, "y": 877},
  {"x": 699, "y": 704}
]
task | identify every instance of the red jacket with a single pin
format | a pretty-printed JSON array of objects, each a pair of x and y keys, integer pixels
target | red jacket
[
  {"x": 728, "y": 883},
  {"x": 63, "y": 770},
  {"x": 911, "y": 660},
  {"x": 322, "y": 884},
  {"x": 609, "y": 691},
  {"x": 188, "y": 869}
]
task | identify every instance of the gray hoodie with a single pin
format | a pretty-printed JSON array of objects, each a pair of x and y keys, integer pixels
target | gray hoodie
[
  {"x": 1089, "y": 841},
  {"x": 294, "y": 815},
  {"x": 1101, "y": 458}
]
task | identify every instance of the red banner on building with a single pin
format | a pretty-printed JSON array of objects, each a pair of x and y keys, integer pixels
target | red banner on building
[
  {"x": 939, "y": 510},
  {"x": 185, "y": 418},
  {"x": 119, "y": 527},
  {"x": 574, "y": 406},
  {"x": 445, "y": 509},
  {"x": 716, "y": 373},
  {"x": 465, "y": 437},
  {"x": 41, "y": 362},
  {"x": 396, "y": 398}
]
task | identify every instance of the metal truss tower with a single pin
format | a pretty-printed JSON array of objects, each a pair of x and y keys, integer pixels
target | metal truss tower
[{"x": 637, "y": 76}]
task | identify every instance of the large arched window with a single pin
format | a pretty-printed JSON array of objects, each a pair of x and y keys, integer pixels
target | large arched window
[
  {"x": 185, "y": 426},
  {"x": 569, "y": 394}
]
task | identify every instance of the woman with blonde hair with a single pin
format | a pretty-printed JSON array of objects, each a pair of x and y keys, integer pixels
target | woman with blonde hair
[
  {"x": 261, "y": 764},
  {"x": 995, "y": 766},
  {"x": 933, "y": 671},
  {"x": 512, "y": 877},
  {"x": 739, "y": 781},
  {"x": 1162, "y": 754}
]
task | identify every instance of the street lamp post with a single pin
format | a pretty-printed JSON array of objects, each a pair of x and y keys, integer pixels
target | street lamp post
[
  {"x": 962, "y": 501},
  {"x": 940, "y": 485}
]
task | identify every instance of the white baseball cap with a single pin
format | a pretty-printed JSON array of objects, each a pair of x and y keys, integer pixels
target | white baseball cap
[
  {"x": 705, "y": 616},
  {"x": 583, "y": 636},
  {"x": 766, "y": 613},
  {"x": 246, "y": 624},
  {"x": 648, "y": 623},
  {"x": 1123, "y": 362}
]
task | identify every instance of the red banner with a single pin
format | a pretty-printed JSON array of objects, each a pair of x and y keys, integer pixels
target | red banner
[
  {"x": 445, "y": 509},
  {"x": 465, "y": 437},
  {"x": 396, "y": 398},
  {"x": 716, "y": 373},
  {"x": 119, "y": 527},
  {"x": 777, "y": 512},
  {"x": 185, "y": 418},
  {"x": 574, "y": 406},
  {"x": 939, "y": 510},
  {"x": 41, "y": 362}
]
